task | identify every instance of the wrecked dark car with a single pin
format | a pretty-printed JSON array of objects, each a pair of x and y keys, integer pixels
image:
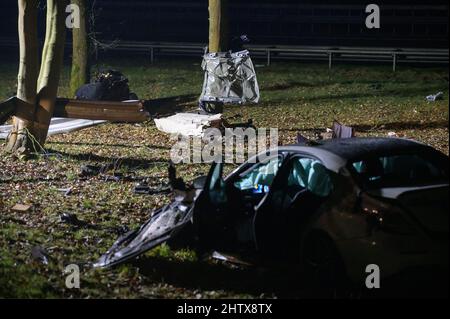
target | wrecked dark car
[{"x": 332, "y": 206}]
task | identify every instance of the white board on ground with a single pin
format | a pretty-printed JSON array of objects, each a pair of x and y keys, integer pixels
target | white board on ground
[{"x": 57, "y": 126}]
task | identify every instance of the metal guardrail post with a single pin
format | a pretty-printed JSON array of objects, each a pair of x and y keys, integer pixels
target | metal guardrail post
[
  {"x": 394, "y": 61},
  {"x": 152, "y": 55},
  {"x": 330, "y": 60},
  {"x": 268, "y": 57}
]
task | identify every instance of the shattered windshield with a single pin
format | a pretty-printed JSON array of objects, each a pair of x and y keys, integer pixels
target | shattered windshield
[{"x": 400, "y": 171}]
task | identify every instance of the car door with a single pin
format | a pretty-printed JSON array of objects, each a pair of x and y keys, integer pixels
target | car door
[
  {"x": 300, "y": 187},
  {"x": 225, "y": 209}
]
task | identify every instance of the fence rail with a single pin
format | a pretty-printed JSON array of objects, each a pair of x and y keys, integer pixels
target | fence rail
[
  {"x": 305, "y": 53},
  {"x": 394, "y": 56}
]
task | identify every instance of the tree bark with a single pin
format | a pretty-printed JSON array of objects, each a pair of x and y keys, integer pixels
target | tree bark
[
  {"x": 28, "y": 73},
  {"x": 51, "y": 64},
  {"x": 218, "y": 25},
  {"x": 80, "y": 73}
]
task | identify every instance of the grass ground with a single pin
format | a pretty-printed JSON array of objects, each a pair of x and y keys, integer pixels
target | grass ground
[{"x": 295, "y": 98}]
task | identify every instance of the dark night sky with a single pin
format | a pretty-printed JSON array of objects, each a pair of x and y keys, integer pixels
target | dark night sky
[{"x": 409, "y": 23}]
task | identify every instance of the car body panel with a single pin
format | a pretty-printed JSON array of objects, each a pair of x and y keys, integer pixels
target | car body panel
[
  {"x": 225, "y": 219},
  {"x": 164, "y": 224}
]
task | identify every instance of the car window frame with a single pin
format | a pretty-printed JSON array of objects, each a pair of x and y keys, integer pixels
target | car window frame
[
  {"x": 309, "y": 156},
  {"x": 248, "y": 168},
  {"x": 363, "y": 184}
]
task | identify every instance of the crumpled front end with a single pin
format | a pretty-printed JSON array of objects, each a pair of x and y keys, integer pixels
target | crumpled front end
[{"x": 164, "y": 224}]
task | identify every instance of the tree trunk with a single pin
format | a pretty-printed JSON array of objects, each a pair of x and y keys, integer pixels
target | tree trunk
[
  {"x": 19, "y": 138},
  {"x": 218, "y": 25},
  {"x": 80, "y": 73},
  {"x": 52, "y": 61}
]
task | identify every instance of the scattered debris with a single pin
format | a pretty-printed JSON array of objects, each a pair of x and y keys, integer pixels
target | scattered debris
[
  {"x": 435, "y": 97},
  {"x": 144, "y": 188},
  {"x": 164, "y": 224},
  {"x": 342, "y": 131},
  {"x": 117, "y": 177},
  {"x": 195, "y": 124},
  {"x": 72, "y": 219},
  {"x": 229, "y": 259},
  {"x": 124, "y": 111},
  {"x": 92, "y": 170},
  {"x": 230, "y": 78},
  {"x": 305, "y": 141},
  {"x": 392, "y": 134},
  {"x": 328, "y": 134},
  {"x": 108, "y": 85},
  {"x": 21, "y": 207},
  {"x": 57, "y": 126},
  {"x": 301, "y": 139},
  {"x": 337, "y": 131},
  {"x": 248, "y": 124},
  {"x": 40, "y": 254},
  {"x": 188, "y": 124},
  {"x": 66, "y": 191}
]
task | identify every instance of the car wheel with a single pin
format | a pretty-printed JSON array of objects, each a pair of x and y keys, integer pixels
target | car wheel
[{"x": 322, "y": 264}]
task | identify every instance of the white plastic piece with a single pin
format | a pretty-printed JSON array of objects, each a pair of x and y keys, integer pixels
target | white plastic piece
[
  {"x": 57, "y": 126},
  {"x": 188, "y": 124}
]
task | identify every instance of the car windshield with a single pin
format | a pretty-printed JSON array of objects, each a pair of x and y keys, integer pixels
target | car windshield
[{"x": 401, "y": 171}]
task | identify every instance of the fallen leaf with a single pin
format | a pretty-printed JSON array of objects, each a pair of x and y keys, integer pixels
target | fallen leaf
[{"x": 21, "y": 208}]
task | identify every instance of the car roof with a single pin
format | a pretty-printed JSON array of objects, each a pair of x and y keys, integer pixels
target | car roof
[{"x": 336, "y": 153}]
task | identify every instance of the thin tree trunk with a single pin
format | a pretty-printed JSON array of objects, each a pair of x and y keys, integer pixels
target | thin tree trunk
[
  {"x": 218, "y": 25},
  {"x": 28, "y": 73},
  {"x": 80, "y": 73},
  {"x": 52, "y": 61}
]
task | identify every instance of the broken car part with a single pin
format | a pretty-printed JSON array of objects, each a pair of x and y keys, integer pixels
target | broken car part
[
  {"x": 196, "y": 124},
  {"x": 72, "y": 219},
  {"x": 40, "y": 254},
  {"x": 230, "y": 78},
  {"x": 342, "y": 131},
  {"x": 188, "y": 124},
  {"x": 163, "y": 225},
  {"x": 229, "y": 259},
  {"x": 435, "y": 97},
  {"x": 128, "y": 111}
]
